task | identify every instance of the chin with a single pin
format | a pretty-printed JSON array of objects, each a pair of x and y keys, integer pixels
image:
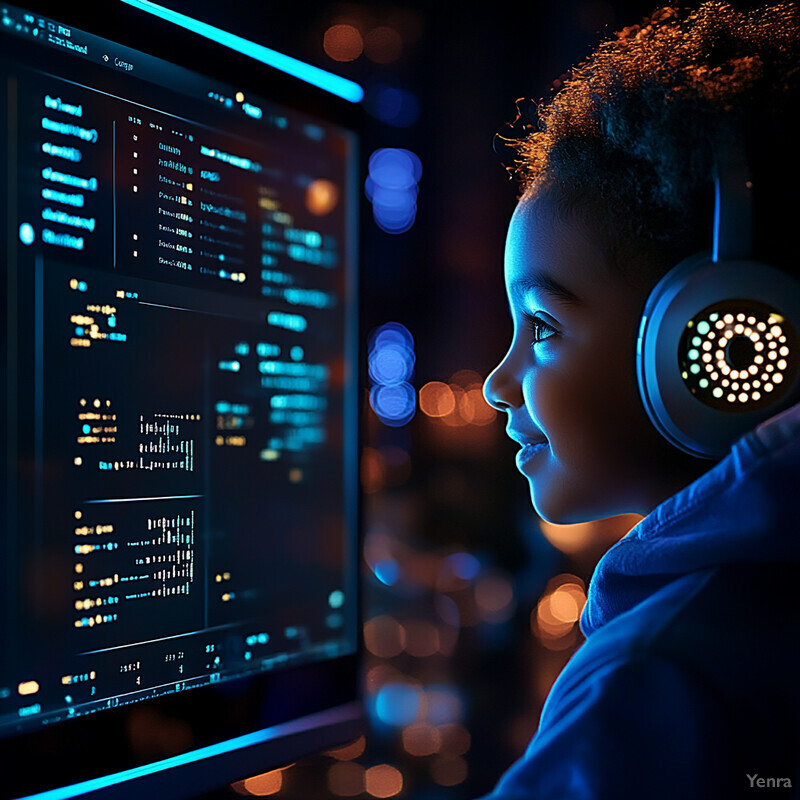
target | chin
[{"x": 564, "y": 508}]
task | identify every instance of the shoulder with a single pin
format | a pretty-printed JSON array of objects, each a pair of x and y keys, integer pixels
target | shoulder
[{"x": 637, "y": 726}]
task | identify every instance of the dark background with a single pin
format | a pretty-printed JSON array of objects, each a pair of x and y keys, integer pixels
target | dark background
[{"x": 458, "y": 572}]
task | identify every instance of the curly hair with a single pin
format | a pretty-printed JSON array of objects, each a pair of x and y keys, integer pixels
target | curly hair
[{"x": 630, "y": 129}]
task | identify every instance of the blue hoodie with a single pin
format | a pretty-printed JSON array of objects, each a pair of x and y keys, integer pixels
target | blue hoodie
[{"x": 688, "y": 684}]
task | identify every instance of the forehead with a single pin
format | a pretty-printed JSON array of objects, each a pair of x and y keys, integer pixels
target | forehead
[{"x": 555, "y": 256}]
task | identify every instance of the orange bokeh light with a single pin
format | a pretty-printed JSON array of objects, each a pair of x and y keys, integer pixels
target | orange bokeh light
[
  {"x": 383, "y": 45},
  {"x": 346, "y": 779},
  {"x": 383, "y": 780},
  {"x": 321, "y": 197},
  {"x": 343, "y": 43},
  {"x": 454, "y": 418},
  {"x": 474, "y": 408},
  {"x": 455, "y": 739},
  {"x": 459, "y": 402},
  {"x": 350, "y": 751},
  {"x": 436, "y": 399},
  {"x": 466, "y": 378},
  {"x": 422, "y": 638},
  {"x": 384, "y": 636},
  {"x": 449, "y": 771},
  {"x": 422, "y": 739},
  {"x": 558, "y": 611},
  {"x": 264, "y": 785},
  {"x": 373, "y": 470},
  {"x": 493, "y": 593}
]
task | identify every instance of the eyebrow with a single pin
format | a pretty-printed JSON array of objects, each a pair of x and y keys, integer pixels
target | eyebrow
[{"x": 546, "y": 283}]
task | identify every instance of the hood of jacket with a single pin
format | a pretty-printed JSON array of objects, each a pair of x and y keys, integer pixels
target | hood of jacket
[{"x": 744, "y": 509}]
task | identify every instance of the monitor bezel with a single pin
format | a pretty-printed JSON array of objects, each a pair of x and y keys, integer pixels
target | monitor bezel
[{"x": 331, "y": 713}]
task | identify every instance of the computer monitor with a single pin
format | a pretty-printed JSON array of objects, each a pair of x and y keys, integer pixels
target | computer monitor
[{"x": 178, "y": 562}]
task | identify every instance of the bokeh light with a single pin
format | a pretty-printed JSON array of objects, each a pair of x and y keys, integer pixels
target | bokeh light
[
  {"x": 373, "y": 470},
  {"x": 383, "y": 45},
  {"x": 346, "y": 779},
  {"x": 384, "y": 636},
  {"x": 494, "y": 597},
  {"x": 449, "y": 770},
  {"x": 464, "y": 565},
  {"x": 444, "y": 704},
  {"x": 266, "y": 784},
  {"x": 554, "y": 620},
  {"x": 322, "y": 196},
  {"x": 343, "y": 43},
  {"x": 391, "y": 366},
  {"x": 391, "y": 333},
  {"x": 436, "y": 399},
  {"x": 422, "y": 638},
  {"x": 422, "y": 739},
  {"x": 455, "y": 739},
  {"x": 395, "y": 405},
  {"x": 387, "y": 571},
  {"x": 350, "y": 751},
  {"x": 397, "y": 704},
  {"x": 379, "y": 675},
  {"x": 393, "y": 105},
  {"x": 383, "y": 780},
  {"x": 392, "y": 188},
  {"x": 459, "y": 402}
]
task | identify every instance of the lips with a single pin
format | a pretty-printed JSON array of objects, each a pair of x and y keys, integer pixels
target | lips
[
  {"x": 532, "y": 444},
  {"x": 528, "y": 454},
  {"x": 525, "y": 438}
]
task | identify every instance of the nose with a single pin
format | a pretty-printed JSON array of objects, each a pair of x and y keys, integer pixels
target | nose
[{"x": 502, "y": 389}]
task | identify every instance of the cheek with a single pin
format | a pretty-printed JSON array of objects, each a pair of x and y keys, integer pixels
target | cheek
[{"x": 588, "y": 406}]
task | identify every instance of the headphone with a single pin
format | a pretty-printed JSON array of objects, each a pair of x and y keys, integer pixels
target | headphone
[{"x": 718, "y": 350}]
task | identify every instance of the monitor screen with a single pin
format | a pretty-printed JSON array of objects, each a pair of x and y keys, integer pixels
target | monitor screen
[{"x": 179, "y": 552}]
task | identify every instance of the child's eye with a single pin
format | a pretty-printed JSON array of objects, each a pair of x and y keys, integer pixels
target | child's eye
[{"x": 539, "y": 329}]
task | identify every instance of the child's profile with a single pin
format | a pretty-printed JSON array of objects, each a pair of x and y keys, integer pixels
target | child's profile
[{"x": 687, "y": 684}]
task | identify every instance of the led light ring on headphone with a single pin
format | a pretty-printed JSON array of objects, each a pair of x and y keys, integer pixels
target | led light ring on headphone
[
  {"x": 691, "y": 415},
  {"x": 737, "y": 355}
]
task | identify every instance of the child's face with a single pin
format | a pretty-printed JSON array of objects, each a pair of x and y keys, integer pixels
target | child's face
[{"x": 568, "y": 381}]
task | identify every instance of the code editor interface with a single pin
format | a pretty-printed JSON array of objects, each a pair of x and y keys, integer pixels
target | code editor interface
[{"x": 179, "y": 266}]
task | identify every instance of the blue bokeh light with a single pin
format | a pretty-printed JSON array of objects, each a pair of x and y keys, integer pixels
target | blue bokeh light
[
  {"x": 387, "y": 571},
  {"x": 392, "y": 188},
  {"x": 391, "y": 364},
  {"x": 395, "y": 167},
  {"x": 391, "y": 333},
  {"x": 27, "y": 234},
  {"x": 397, "y": 704},
  {"x": 395, "y": 405},
  {"x": 464, "y": 565},
  {"x": 397, "y": 107},
  {"x": 391, "y": 368}
]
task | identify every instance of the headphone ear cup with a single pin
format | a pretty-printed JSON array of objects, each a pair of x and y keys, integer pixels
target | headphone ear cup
[{"x": 718, "y": 351}]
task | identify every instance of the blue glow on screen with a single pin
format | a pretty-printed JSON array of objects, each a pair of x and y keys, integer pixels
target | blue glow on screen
[
  {"x": 331, "y": 716},
  {"x": 335, "y": 84}
]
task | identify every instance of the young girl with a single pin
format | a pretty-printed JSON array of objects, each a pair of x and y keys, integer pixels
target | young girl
[{"x": 687, "y": 685}]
